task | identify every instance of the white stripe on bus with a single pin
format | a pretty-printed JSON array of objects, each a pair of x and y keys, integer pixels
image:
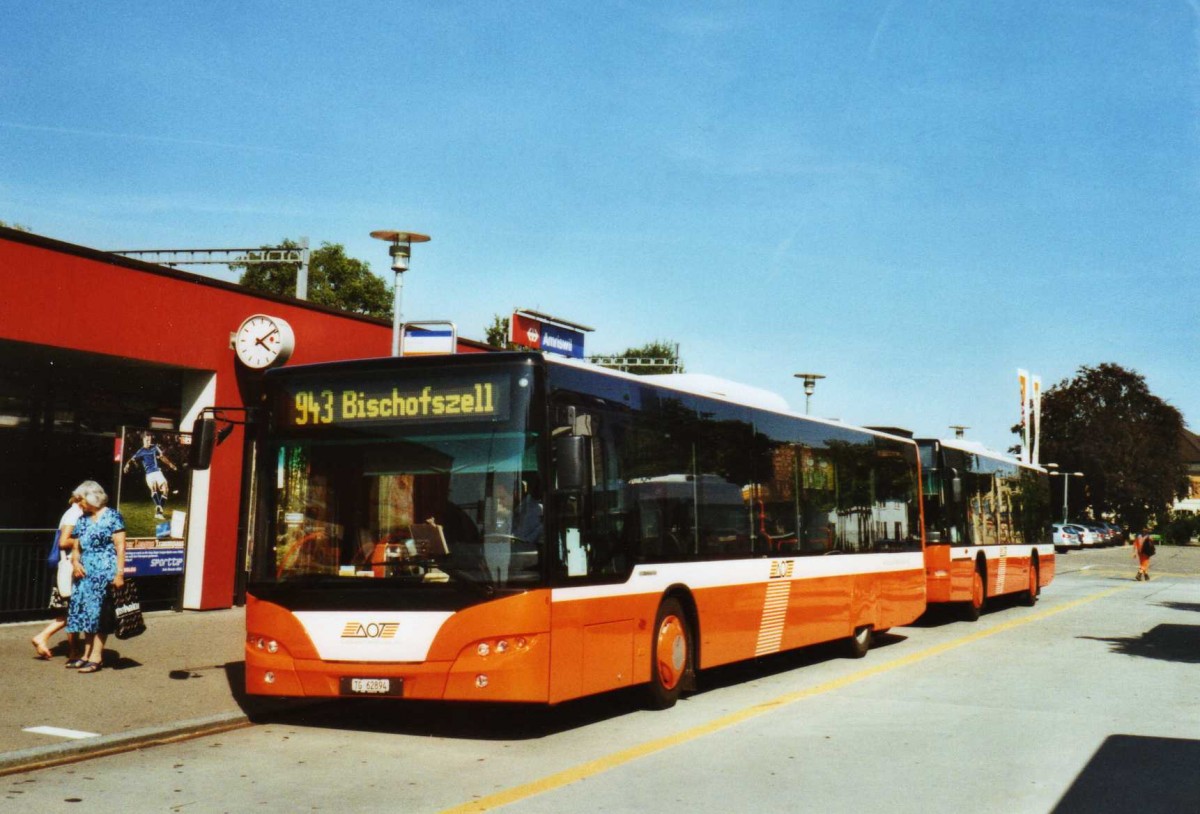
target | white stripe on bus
[{"x": 658, "y": 577}]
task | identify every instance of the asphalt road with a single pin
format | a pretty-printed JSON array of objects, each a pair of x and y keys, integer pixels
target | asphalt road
[{"x": 1088, "y": 702}]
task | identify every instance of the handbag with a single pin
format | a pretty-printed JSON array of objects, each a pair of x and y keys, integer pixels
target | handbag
[
  {"x": 55, "y": 552},
  {"x": 65, "y": 578},
  {"x": 127, "y": 610}
]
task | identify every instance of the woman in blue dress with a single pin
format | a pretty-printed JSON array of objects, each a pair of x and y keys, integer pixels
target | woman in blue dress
[{"x": 99, "y": 560}]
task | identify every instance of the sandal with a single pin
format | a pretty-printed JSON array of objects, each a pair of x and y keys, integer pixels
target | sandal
[
  {"x": 75, "y": 664},
  {"x": 90, "y": 667}
]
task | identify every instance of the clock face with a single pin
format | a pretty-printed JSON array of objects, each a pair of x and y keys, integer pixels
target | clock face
[{"x": 263, "y": 341}]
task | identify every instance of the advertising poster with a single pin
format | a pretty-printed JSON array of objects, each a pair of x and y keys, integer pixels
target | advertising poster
[{"x": 152, "y": 496}]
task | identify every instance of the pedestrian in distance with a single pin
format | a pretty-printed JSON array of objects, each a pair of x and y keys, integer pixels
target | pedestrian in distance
[
  {"x": 99, "y": 561},
  {"x": 150, "y": 456},
  {"x": 60, "y": 592},
  {"x": 1143, "y": 550}
]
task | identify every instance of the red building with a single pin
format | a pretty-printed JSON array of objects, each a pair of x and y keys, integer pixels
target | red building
[{"x": 91, "y": 343}]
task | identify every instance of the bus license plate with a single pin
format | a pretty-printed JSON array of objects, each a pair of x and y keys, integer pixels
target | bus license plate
[{"x": 371, "y": 686}]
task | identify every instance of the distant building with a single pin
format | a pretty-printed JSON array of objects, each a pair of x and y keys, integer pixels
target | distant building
[{"x": 1190, "y": 447}]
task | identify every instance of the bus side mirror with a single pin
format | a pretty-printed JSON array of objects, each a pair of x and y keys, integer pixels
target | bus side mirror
[
  {"x": 956, "y": 488},
  {"x": 572, "y": 462},
  {"x": 204, "y": 438}
]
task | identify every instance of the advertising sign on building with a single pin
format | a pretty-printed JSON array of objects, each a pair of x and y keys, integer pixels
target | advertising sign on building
[
  {"x": 152, "y": 495},
  {"x": 529, "y": 329}
]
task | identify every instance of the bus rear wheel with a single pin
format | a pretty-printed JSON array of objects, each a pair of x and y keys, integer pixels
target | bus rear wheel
[
  {"x": 974, "y": 607},
  {"x": 860, "y": 642},
  {"x": 670, "y": 655},
  {"x": 1031, "y": 596}
]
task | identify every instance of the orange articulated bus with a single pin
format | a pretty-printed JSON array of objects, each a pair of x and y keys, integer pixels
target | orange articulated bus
[
  {"x": 987, "y": 525},
  {"x": 514, "y": 527}
]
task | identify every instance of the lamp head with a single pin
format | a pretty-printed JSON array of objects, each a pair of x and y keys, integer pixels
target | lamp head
[
  {"x": 400, "y": 255},
  {"x": 401, "y": 246},
  {"x": 810, "y": 381}
]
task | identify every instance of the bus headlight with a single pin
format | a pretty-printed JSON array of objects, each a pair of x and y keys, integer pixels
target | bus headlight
[{"x": 263, "y": 644}]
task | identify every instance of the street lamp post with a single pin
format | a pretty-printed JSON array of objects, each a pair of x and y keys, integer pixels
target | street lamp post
[
  {"x": 1066, "y": 476},
  {"x": 810, "y": 384},
  {"x": 400, "y": 251}
]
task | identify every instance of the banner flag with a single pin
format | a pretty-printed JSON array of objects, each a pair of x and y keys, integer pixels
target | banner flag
[
  {"x": 1023, "y": 378},
  {"x": 1037, "y": 417}
]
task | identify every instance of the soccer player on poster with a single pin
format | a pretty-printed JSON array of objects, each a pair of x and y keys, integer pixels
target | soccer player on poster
[{"x": 149, "y": 456}]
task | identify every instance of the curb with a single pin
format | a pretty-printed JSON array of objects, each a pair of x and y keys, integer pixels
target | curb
[{"x": 42, "y": 757}]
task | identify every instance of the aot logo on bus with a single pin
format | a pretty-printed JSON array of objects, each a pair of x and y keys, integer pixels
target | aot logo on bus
[{"x": 371, "y": 630}]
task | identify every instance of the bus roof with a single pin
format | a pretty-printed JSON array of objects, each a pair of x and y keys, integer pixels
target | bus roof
[
  {"x": 698, "y": 384},
  {"x": 976, "y": 448}
]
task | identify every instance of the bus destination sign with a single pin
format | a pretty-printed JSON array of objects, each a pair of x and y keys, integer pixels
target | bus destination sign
[{"x": 354, "y": 403}]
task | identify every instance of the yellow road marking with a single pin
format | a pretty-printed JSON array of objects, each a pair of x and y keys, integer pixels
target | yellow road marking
[{"x": 603, "y": 764}]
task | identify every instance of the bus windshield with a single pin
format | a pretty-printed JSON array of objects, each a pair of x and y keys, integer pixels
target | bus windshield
[{"x": 410, "y": 476}]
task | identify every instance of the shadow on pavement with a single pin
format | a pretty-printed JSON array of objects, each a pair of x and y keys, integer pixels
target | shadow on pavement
[
  {"x": 490, "y": 721},
  {"x": 446, "y": 719},
  {"x": 745, "y": 671},
  {"x": 1181, "y": 606},
  {"x": 1165, "y": 642},
  {"x": 1142, "y": 774},
  {"x": 449, "y": 719},
  {"x": 945, "y": 613}
]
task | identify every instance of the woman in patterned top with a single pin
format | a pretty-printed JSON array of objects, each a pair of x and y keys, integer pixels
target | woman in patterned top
[{"x": 99, "y": 560}]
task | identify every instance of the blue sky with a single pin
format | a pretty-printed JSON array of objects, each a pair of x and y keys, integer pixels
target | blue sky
[{"x": 914, "y": 199}]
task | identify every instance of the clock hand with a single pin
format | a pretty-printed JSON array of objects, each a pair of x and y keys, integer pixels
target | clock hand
[{"x": 259, "y": 340}]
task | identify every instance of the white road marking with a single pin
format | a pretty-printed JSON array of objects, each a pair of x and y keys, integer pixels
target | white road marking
[{"x": 59, "y": 732}]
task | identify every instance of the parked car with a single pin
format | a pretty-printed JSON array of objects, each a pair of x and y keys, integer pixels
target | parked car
[
  {"x": 1119, "y": 536},
  {"x": 1065, "y": 539},
  {"x": 1089, "y": 537},
  {"x": 1103, "y": 533}
]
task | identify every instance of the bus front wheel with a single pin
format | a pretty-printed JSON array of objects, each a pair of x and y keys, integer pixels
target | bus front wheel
[
  {"x": 670, "y": 655},
  {"x": 974, "y": 606}
]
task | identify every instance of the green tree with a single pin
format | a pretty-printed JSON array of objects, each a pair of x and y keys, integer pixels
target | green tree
[
  {"x": 1180, "y": 529},
  {"x": 1107, "y": 424},
  {"x": 19, "y": 227},
  {"x": 496, "y": 334},
  {"x": 334, "y": 279}
]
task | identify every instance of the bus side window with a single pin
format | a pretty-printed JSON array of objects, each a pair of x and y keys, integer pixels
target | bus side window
[
  {"x": 594, "y": 521},
  {"x": 817, "y": 508}
]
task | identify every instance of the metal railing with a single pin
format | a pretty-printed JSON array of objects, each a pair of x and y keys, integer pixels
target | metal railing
[{"x": 25, "y": 579}]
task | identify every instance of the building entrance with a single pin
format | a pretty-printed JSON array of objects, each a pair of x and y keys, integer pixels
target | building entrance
[{"x": 61, "y": 414}]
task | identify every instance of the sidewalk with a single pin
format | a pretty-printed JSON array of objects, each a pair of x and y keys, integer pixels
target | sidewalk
[{"x": 183, "y": 676}]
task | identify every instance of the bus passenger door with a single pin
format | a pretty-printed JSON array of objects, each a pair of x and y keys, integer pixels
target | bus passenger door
[{"x": 594, "y": 631}]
